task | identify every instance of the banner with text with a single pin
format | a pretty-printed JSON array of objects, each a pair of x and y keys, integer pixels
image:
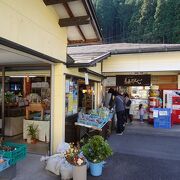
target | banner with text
[{"x": 133, "y": 80}]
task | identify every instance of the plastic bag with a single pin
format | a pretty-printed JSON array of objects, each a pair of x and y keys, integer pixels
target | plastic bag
[
  {"x": 54, "y": 164},
  {"x": 66, "y": 171},
  {"x": 62, "y": 148}
]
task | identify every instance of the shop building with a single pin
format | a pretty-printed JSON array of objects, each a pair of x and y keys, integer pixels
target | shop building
[
  {"x": 33, "y": 48},
  {"x": 133, "y": 68}
]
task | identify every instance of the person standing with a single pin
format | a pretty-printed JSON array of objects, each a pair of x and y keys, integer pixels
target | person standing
[
  {"x": 127, "y": 107},
  {"x": 141, "y": 113},
  {"x": 120, "y": 108}
]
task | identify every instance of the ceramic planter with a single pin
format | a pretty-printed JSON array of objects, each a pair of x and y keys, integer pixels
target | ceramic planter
[
  {"x": 29, "y": 139},
  {"x": 80, "y": 172}
]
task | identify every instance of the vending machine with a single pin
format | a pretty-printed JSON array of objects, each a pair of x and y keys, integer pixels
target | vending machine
[
  {"x": 175, "y": 116},
  {"x": 171, "y": 99}
]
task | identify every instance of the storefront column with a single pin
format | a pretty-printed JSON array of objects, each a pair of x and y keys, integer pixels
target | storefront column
[
  {"x": 98, "y": 94},
  {"x": 57, "y": 106},
  {"x": 179, "y": 81}
]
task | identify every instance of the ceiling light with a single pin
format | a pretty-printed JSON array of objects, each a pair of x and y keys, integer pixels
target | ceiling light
[{"x": 22, "y": 76}]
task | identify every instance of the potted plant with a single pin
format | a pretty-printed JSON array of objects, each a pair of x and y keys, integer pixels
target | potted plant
[
  {"x": 75, "y": 157},
  {"x": 96, "y": 150},
  {"x": 32, "y": 133}
]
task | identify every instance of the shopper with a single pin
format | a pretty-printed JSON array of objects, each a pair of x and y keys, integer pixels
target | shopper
[
  {"x": 107, "y": 98},
  {"x": 81, "y": 96},
  {"x": 141, "y": 113},
  {"x": 127, "y": 107},
  {"x": 130, "y": 115},
  {"x": 120, "y": 108},
  {"x": 111, "y": 102}
]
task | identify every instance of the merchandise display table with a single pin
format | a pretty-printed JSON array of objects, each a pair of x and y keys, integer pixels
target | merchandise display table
[
  {"x": 35, "y": 107},
  {"x": 89, "y": 126},
  {"x": 103, "y": 127}
]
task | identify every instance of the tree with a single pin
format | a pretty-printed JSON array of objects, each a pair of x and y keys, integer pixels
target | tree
[
  {"x": 139, "y": 21},
  {"x": 106, "y": 12}
]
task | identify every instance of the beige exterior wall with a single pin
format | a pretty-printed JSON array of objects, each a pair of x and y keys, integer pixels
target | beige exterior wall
[
  {"x": 58, "y": 100},
  {"x": 58, "y": 106},
  {"x": 75, "y": 72},
  {"x": 143, "y": 62},
  {"x": 178, "y": 81},
  {"x": 96, "y": 68},
  {"x": 33, "y": 25}
]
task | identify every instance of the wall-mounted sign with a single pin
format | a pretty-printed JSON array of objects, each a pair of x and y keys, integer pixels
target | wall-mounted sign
[
  {"x": 86, "y": 79},
  {"x": 109, "y": 81},
  {"x": 133, "y": 80}
]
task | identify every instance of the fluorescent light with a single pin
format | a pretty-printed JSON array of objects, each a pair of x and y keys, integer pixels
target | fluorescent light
[{"x": 21, "y": 76}]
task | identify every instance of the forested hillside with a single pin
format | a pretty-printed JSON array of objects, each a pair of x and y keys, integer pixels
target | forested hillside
[{"x": 139, "y": 21}]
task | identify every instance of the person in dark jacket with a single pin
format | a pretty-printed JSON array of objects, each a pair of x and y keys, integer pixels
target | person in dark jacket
[
  {"x": 127, "y": 107},
  {"x": 120, "y": 109},
  {"x": 111, "y": 102}
]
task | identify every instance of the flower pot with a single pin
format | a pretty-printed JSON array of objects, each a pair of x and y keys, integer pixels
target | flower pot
[
  {"x": 96, "y": 168},
  {"x": 29, "y": 139},
  {"x": 80, "y": 172},
  {"x": 33, "y": 141}
]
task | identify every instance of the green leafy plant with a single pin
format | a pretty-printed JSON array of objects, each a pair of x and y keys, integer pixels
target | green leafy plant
[
  {"x": 96, "y": 149},
  {"x": 9, "y": 97},
  {"x": 32, "y": 130}
]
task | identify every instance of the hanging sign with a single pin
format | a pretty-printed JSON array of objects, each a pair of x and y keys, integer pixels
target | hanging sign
[
  {"x": 133, "y": 80},
  {"x": 86, "y": 79}
]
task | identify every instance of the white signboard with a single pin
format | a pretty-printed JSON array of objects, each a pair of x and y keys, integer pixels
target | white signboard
[
  {"x": 155, "y": 113},
  {"x": 110, "y": 81}
]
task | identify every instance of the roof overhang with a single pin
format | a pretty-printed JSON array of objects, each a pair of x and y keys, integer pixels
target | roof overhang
[
  {"x": 85, "y": 70},
  {"x": 146, "y": 50},
  {"x": 80, "y": 19},
  {"x": 87, "y": 60},
  {"x": 18, "y": 56}
]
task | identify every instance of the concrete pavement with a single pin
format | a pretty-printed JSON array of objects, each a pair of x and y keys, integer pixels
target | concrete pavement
[{"x": 137, "y": 156}]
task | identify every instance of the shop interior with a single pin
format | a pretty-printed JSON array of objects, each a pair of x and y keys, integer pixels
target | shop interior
[
  {"x": 138, "y": 95},
  {"x": 161, "y": 93},
  {"x": 79, "y": 97},
  {"x": 25, "y": 108}
]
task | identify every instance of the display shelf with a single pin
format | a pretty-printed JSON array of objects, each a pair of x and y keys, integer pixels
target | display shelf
[{"x": 94, "y": 122}]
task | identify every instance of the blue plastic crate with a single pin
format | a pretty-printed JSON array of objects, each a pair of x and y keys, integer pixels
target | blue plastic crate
[
  {"x": 5, "y": 164},
  {"x": 161, "y": 110},
  {"x": 16, "y": 155},
  {"x": 162, "y": 125},
  {"x": 163, "y": 119}
]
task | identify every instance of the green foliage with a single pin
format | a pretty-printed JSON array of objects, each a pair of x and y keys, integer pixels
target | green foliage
[
  {"x": 139, "y": 21},
  {"x": 97, "y": 149},
  {"x": 9, "y": 97},
  {"x": 32, "y": 130}
]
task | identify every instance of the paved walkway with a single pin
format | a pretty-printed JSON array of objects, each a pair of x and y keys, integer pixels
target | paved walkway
[{"x": 137, "y": 156}]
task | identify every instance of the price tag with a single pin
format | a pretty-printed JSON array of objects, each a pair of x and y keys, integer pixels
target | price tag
[
  {"x": 155, "y": 113},
  {"x": 163, "y": 113}
]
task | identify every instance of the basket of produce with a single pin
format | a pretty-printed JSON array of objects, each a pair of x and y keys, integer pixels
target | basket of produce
[
  {"x": 4, "y": 163},
  {"x": 13, "y": 151}
]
